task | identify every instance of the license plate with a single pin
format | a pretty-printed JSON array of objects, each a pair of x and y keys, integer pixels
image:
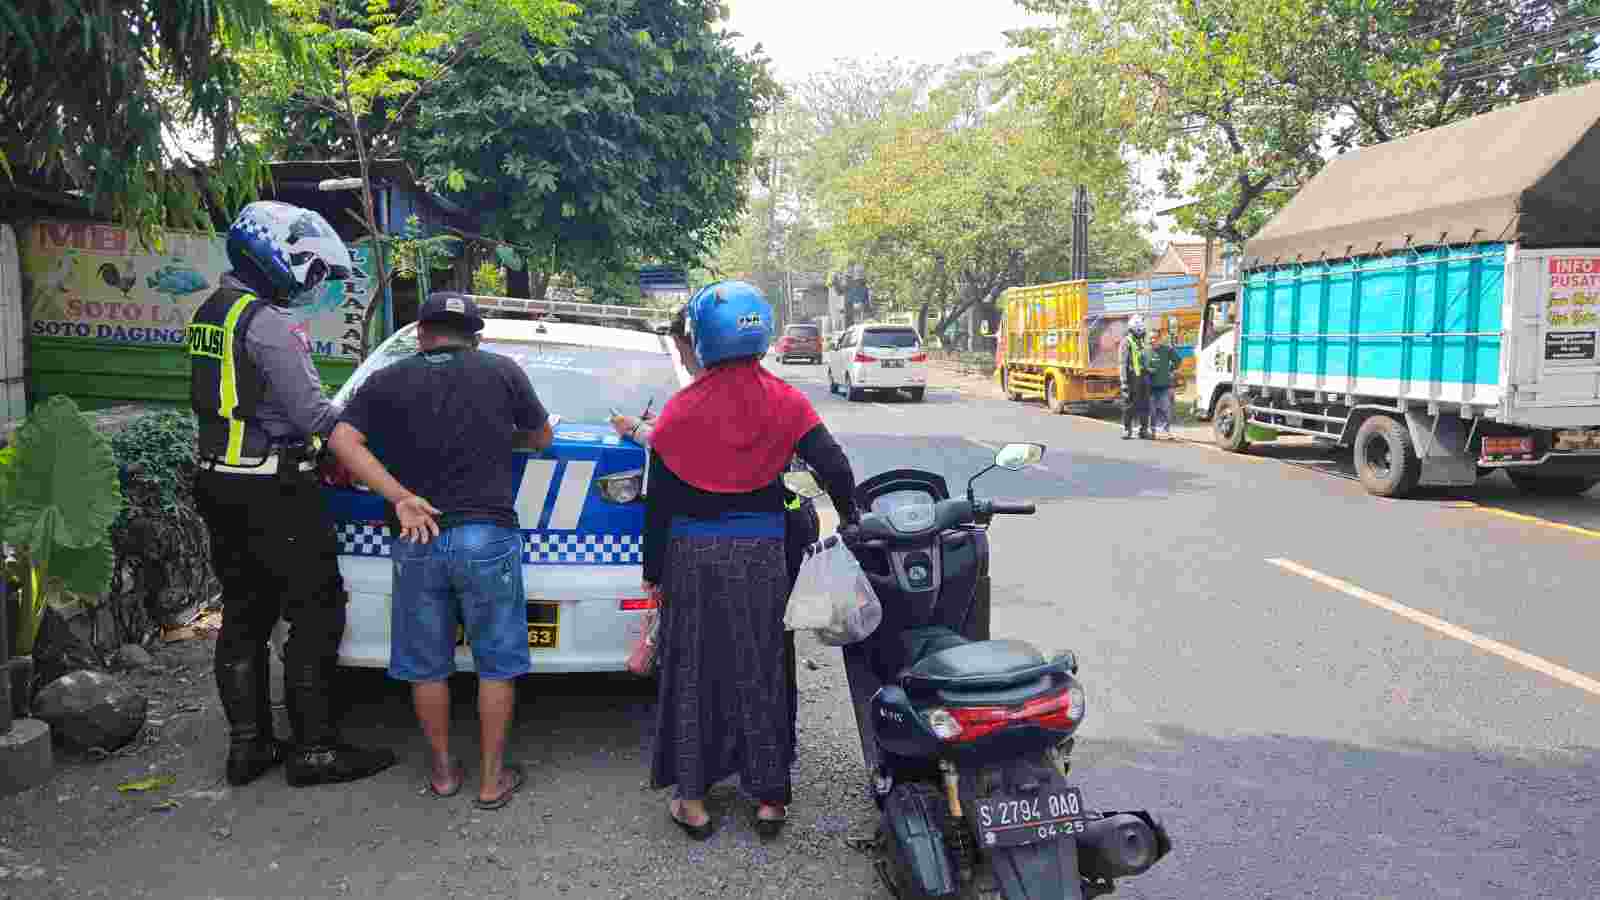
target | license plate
[
  {"x": 894, "y": 364},
  {"x": 544, "y": 625},
  {"x": 1013, "y": 821}
]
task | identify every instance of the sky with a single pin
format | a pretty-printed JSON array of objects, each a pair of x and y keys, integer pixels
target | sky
[{"x": 804, "y": 37}]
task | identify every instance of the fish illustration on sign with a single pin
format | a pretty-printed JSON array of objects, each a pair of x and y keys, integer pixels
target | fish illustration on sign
[{"x": 175, "y": 280}]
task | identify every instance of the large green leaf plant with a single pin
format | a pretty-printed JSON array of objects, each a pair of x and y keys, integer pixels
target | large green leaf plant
[{"x": 59, "y": 495}]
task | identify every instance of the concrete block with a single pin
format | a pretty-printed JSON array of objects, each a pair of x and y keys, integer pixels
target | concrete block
[{"x": 25, "y": 759}]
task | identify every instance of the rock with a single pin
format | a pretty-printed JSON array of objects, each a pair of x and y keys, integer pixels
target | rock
[
  {"x": 133, "y": 656},
  {"x": 91, "y": 709}
]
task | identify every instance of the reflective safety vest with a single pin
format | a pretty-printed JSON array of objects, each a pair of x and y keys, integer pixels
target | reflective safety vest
[
  {"x": 1133, "y": 355},
  {"x": 225, "y": 387}
]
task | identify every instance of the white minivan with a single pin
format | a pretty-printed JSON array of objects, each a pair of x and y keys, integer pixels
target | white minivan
[{"x": 878, "y": 358}]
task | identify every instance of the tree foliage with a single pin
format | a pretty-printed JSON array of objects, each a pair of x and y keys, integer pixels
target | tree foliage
[
  {"x": 965, "y": 196},
  {"x": 370, "y": 63},
  {"x": 98, "y": 93},
  {"x": 631, "y": 144},
  {"x": 1242, "y": 100}
]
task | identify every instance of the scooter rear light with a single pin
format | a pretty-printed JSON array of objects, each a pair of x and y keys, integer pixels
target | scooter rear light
[
  {"x": 863, "y": 358},
  {"x": 1062, "y": 711},
  {"x": 635, "y": 604}
]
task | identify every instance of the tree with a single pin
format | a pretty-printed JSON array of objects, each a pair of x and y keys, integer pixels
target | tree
[
  {"x": 95, "y": 93},
  {"x": 1247, "y": 98},
  {"x": 971, "y": 197},
  {"x": 392, "y": 53},
  {"x": 633, "y": 145}
]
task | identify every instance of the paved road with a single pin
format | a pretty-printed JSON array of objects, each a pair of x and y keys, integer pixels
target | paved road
[{"x": 1303, "y": 740}]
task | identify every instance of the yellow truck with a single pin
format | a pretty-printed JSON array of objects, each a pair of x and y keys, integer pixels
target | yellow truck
[{"x": 1058, "y": 342}]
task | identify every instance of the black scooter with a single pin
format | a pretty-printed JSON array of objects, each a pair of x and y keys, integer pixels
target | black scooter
[{"x": 969, "y": 739}]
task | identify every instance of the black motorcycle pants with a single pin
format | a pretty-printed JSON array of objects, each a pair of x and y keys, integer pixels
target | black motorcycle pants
[{"x": 274, "y": 550}]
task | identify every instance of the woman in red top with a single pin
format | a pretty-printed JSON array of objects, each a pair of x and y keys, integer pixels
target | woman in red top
[{"x": 714, "y": 547}]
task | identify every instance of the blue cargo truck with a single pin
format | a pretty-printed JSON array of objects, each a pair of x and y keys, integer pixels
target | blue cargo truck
[{"x": 1432, "y": 303}]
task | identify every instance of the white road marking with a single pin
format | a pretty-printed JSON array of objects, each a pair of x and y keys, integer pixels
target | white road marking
[
  {"x": 533, "y": 491},
  {"x": 898, "y": 412},
  {"x": 574, "y": 492},
  {"x": 1489, "y": 645}
]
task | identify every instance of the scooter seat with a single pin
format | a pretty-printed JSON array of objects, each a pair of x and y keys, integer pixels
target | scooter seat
[{"x": 981, "y": 665}]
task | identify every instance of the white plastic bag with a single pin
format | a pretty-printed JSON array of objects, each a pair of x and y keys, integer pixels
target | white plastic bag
[{"x": 833, "y": 597}]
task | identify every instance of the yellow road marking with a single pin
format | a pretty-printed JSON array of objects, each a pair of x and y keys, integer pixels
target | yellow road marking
[
  {"x": 1489, "y": 645},
  {"x": 1524, "y": 517}
]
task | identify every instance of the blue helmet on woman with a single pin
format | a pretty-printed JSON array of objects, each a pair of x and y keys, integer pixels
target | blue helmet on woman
[{"x": 729, "y": 320}]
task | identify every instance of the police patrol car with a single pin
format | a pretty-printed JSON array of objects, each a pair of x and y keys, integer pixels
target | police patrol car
[{"x": 580, "y": 501}]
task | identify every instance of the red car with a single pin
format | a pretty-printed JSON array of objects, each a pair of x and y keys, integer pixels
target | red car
[{"x": 801, "y": 341}]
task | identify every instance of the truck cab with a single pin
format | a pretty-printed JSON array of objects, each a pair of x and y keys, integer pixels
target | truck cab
[{"x": 1213, "y": 357}]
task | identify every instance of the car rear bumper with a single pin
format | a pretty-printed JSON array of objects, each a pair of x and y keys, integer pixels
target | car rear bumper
[
  {"x": 594, "y": 632},
  {"x": 875, "y": 377}
]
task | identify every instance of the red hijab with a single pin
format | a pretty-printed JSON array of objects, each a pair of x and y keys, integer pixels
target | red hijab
[{"x": 734, "y": 429}]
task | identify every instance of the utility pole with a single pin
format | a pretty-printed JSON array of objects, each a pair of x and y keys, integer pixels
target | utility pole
[{"x": 1080, "y": 232}]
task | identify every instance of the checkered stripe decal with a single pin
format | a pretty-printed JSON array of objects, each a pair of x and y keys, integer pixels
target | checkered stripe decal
[{"x": 538, "y": 547}]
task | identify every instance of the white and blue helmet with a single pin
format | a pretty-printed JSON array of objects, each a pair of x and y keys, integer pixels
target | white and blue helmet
[
  {"x": 1136, "y": 324},
  {"x": 294, "y": 249}
]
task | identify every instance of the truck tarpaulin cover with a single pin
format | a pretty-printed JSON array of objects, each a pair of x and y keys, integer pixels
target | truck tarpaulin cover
[{"x": 1527, "y": 174}]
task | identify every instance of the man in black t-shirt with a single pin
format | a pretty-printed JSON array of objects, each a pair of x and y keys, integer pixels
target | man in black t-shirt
[{"x": 443, "y": 424}]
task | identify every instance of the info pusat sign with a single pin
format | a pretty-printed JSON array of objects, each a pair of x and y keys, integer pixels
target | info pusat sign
[{"x": 97, "y": 283}]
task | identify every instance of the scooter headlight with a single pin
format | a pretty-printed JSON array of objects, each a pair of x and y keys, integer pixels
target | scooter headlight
[{"x": 944, "y": 724}]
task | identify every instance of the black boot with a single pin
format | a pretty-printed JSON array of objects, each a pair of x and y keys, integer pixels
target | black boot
[
  {"x": 242, "y": 685},
  {"x": 319, "y": 757}
]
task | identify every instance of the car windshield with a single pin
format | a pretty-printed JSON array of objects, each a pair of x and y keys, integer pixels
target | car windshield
[
  {"x": 802, "y": 331},
  {"x": 580, "y": 382},
  {"x": 899, "y": 337}
]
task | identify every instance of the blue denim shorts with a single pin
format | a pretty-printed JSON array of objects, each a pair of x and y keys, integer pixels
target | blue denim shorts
[{"x": 470, "y": 575}]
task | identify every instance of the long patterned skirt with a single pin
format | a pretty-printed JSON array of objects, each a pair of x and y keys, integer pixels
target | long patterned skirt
[{"x": 723, "y": 705}]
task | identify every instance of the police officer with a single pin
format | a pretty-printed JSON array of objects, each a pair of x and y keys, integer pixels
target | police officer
[
  {"x": 262, "y": 416},
  {"x": 1135, "y": 380}
]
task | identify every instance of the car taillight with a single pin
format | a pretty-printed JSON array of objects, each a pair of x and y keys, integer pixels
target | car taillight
[
  {"x": 919, "y": 357},
  {"x": 623, "y": 487},
  {"x": 1061, "y": 711},
  {"x": 862, "y": 357},
  {"x": 635, "y": 604}
]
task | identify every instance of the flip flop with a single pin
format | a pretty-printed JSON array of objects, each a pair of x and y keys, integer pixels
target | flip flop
[
  {"x": 460, "y": 773},
  {"x": 699, "y": 832},
  {"x": 767, "y": 829},
  {"x": 518, "y": 779}
]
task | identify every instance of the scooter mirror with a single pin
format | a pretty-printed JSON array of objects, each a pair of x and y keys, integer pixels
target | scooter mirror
[
  {"x": 802, "y": 483},
  {"x": 1016, "y": 457}
]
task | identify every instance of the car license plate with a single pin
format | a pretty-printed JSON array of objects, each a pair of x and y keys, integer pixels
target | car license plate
[
  {"x": 544, "y": 625},
  {"x": 894, "y": 364},
  {"x": 1007, "y": 821}
]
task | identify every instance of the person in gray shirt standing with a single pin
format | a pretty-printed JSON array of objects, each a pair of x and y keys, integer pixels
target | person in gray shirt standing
[{"x": 262, "y": 417}]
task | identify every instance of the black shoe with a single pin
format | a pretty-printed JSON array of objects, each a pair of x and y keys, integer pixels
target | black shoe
[
  {"x": 335, "y": 764},
  {"x": 1127, "y": 435},
  {"x": 249, "y": 760}
]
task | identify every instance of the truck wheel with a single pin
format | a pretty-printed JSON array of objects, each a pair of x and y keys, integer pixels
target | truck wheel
[
  {"x": 1229, "y": 424},
  {"x": 1537, "y": 485},
  {"x": 1005, "y": 385},
  {"x": 1385, "y": 460},
  {"x": 1052, "y": 396}
]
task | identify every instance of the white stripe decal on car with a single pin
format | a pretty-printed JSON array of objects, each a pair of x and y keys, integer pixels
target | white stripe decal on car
[
  {"x": 571, "y": 495},
  {"x": 534, "y": 491}
]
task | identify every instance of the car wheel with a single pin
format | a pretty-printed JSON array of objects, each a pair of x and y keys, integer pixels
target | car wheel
[
  {"x": 1386, "y": 462},
  {"x": 917, "y": 394},
  {"x": 851, "y": 393}
]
